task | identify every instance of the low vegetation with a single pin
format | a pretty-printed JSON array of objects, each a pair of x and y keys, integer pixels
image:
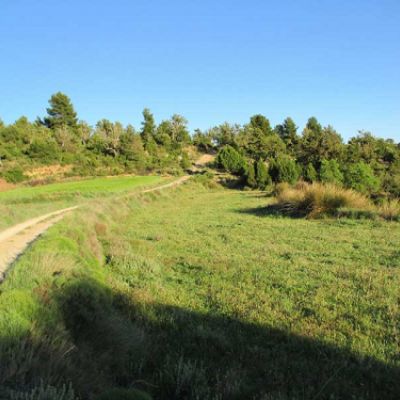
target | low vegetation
[
  {"x": 27, "y": 202},
  {"x": 202, "y": 293},
  {"x": 317, "y": 199}
]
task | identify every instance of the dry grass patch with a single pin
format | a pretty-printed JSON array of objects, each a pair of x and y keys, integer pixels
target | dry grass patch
[
  {"x": 390, "y": 210},
  {"x": 316, "y": 199}
]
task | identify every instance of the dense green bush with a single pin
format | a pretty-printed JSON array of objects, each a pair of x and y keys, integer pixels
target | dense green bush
[
  {"x": 330, "y": 172},
  {"x": 283, "y": 169},
  {"x": 310, "y": 174},
  {"x": 230, "y": 160},
  {"x": 262, "y": 176},
  {"x": 251, "y": 176},
  {"x": 360, "y": 177},
  {"x": 14, "y": 175}
]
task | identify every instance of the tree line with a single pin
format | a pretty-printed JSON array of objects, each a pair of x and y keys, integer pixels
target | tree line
[
  {"x": 257, "y": 152},
  {"x": 261, "y": 155}
]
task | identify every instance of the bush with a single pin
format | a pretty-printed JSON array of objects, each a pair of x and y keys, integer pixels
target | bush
[
  {"x": 330, "y": 172},
  {"x": 230, "y": 160},
  {"x": 283, "y": 169},
  {"x": 262, "y": 177},
  {"x": 251, "y": 176},
  {"x": 360, "y": 177},
  {"x": 316, "y": 199},
  {"x": 310, "y": 173},
  {"x": 14, "y": 175}
]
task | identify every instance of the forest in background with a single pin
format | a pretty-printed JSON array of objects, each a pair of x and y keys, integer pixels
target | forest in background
[{"x": 256, "y": 152}]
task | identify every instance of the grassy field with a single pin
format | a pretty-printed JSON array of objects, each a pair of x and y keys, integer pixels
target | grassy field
[
  {"x": 200, "y": 294},
  {"x": 25, "y": 202}
]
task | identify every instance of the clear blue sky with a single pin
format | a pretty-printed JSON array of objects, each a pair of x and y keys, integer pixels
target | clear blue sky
[{"x": 212, "y": 61}]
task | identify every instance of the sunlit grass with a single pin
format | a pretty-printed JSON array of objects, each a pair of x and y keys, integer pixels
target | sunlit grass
[{"x": 221, "y": 300}]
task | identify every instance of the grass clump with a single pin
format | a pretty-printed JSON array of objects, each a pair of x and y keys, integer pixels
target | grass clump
[
  {"x": 316, "y": 199},
  {"x": 390, "y": 210}
]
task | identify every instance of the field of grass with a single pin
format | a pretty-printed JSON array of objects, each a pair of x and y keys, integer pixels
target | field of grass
[
  {"x": 200, "y": 294},
  {"x": 26, "y": 202}
]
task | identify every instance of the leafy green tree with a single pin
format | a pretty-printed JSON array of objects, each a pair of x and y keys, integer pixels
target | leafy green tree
[
  {"x": 131, "y": 147},
  {"x": 230, "y": 160},
  {"x": 262, "y": 177},
  {"x": 284, "y": 169},
  {"x": 225, "y": 134},
  {"x": 61, "y": 112},
  {"x": 179, "y": 131},
  {"x": 360, "y": 176},
  {"x": 330, "y": 172},
  {"x": 310, "y": 173},
  {"x": 108, "y": 135}
]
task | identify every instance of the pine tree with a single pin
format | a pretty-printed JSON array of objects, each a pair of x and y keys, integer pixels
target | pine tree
[
  {"x": 310, "y": 173},
  {"x": 61, "y": 112},
  {"x": 148, "y": 128}
]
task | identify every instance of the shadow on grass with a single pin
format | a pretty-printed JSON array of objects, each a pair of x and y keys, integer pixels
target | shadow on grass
[
  {"x": 270, "y": 210},
  {"x": 173, "y": 353}
]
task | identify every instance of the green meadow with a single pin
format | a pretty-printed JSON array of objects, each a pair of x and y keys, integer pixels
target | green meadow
[
  {"x": 26, "y": 202},
  {"x": 202, "y": 293}
]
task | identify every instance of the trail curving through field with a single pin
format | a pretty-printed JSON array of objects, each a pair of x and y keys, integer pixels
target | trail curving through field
[{"x": 14, "y": 240}]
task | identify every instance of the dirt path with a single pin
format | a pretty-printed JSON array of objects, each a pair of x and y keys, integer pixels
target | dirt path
[{"x": 14, "y": 240}]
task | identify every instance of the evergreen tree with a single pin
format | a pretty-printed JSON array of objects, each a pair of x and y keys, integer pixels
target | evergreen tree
[
  {"x": 258, "y": 121},
  {"x": 148, "y": 128},
  {"x": 288, "y": 133},
  {"x": 330, "y": 172},
  {"x": 61, "y": 112},
  {"x": 262, "y": 177},
  {"x": 310, "y": 173},
  {"x": 283, "y": 169},
  {"x": 230, "y": 160},
  {"x": 251, "y": 176}
]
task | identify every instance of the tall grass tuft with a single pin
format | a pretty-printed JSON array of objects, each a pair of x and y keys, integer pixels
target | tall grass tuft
[
  {"x": 390, "y": 210},
  {"x": 316, "y": 199}
]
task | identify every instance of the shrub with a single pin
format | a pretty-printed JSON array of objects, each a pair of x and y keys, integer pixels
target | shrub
[
  {"x": 251, "y": 176},
  {"x": 283, "y": 169},
  {"x": 262, "y": 177},
  {"x": 230, "y": 160},
  {"x": 360, "y": 177},
  {"x": 310, "y": 174},
  {"x": 14, "y": 175},
  {"x": 330, "y": 172},
  {"x": 316, "y": 199}
]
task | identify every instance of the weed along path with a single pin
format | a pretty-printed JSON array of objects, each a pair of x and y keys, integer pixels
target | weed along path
[{"x": 14, "y": 240}]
